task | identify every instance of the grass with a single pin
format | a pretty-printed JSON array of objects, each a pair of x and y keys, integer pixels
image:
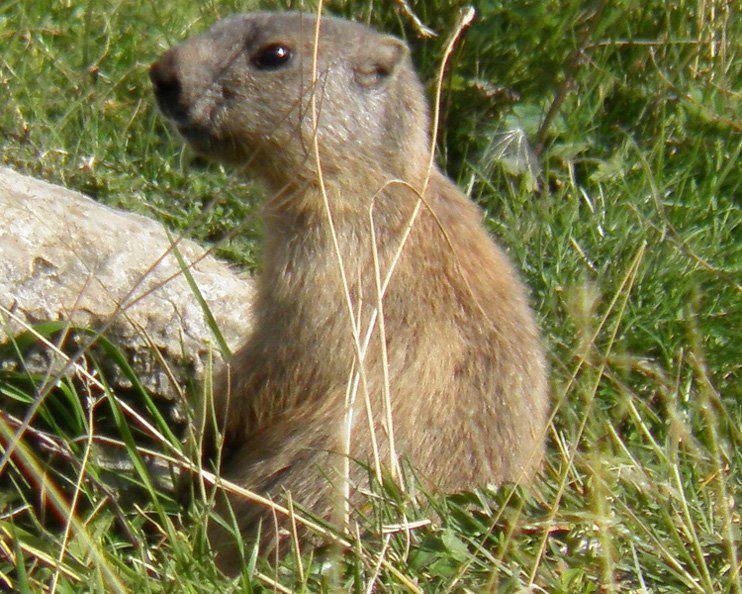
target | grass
[{"x": 626, "y": 221}]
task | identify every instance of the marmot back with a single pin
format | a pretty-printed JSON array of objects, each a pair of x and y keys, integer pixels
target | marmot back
[{"x": 388, "y": 325}]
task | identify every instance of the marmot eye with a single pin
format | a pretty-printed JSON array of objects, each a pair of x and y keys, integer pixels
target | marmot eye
[{"x": 272, "y": 57}]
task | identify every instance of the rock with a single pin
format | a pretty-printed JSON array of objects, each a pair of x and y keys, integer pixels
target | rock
[{"x": 64, "y": 257}]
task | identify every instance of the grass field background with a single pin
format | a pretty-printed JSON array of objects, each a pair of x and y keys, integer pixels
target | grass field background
[{"x": 624, "y": 216}]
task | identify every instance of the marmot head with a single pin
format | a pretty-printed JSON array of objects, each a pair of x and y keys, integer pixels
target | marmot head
[{"x": 256, "y": 88}]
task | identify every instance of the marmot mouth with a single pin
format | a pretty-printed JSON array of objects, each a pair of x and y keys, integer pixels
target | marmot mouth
[
  {"x": 192, "y": 132},
  {"x": 200, "y": 138},
  {"x": 205, "y": 142}
]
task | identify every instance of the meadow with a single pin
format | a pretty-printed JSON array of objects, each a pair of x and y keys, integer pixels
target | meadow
[{"x": 602, "y": 141}]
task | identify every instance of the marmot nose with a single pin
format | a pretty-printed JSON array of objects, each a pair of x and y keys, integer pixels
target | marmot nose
[{"x": 168, "y": 88}]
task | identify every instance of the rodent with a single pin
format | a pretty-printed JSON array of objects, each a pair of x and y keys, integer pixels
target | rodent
[{"x": 350, "y": 139}]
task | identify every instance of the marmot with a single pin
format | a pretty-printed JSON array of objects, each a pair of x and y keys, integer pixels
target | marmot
[{"x": 360, "y": 229}]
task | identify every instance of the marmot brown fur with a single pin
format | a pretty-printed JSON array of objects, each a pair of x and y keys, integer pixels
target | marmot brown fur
[{"x": 341, "y": 140}]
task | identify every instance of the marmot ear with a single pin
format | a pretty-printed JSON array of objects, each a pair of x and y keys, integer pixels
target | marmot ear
[{"x": 378, "y": 59}]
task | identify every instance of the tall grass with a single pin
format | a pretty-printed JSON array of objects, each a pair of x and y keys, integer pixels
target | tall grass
[{"x": 625, "y": 218}]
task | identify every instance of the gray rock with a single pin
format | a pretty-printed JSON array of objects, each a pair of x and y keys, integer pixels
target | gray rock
[{"x": 64, "y": 257}]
